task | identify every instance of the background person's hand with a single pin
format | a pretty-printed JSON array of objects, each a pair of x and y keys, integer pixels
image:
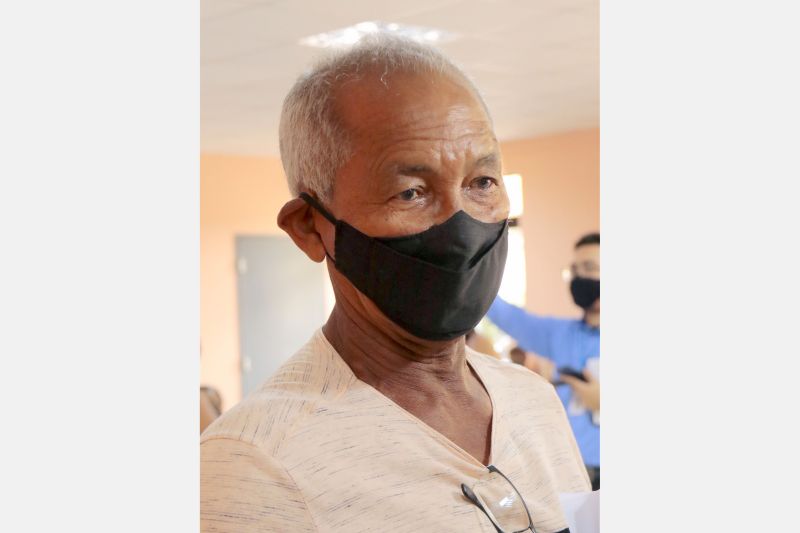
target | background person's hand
[
  {"x": 587, "y": 392},
  {"x": 541, "y": 365}
]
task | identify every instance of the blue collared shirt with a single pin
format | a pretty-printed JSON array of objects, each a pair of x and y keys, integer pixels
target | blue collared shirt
[{"x": 566, "y": 342}]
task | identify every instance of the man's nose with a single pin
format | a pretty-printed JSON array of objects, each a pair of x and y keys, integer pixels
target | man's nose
[
  {"x": 450, "y": 202},
  {"x": 453, "y": 200}
]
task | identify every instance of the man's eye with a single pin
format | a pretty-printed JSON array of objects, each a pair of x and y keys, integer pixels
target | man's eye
[
  {"x": 484, "y": 183},
  {"x": 408, "y": 195}
]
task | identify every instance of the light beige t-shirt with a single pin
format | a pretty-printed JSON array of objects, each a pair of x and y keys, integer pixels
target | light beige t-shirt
[{"x": 317, "y": 449}]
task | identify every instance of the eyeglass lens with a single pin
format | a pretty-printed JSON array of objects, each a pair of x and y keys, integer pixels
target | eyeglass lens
[{"x": 499, "y": 498}]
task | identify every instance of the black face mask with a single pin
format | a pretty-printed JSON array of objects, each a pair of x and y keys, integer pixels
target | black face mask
[
  {"x": 585, "y": 291},
  {"x": 437, "y": 284}
]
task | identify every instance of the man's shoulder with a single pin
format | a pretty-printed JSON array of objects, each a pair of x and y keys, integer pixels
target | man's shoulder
[
  {"x": 487, "y": 363},
  {"x": 310, "y": 378},
  {"x": 510, "y": 374}
]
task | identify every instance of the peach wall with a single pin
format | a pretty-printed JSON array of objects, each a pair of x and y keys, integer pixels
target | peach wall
[
  {"x": 242, "y": 195},
  {"x": 238, "y": 195},
  {"x": 561, "y": 189}
]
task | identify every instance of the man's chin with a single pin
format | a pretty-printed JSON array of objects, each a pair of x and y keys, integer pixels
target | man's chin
[{"x": 394, "y": 330}]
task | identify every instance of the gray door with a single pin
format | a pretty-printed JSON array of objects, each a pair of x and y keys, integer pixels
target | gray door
[{"x": 281, "y": 296}]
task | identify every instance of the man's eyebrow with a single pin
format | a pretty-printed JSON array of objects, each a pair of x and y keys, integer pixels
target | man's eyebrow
[
  {"x": 411, "y": 169},
  {"x": 488, "y": 160}
]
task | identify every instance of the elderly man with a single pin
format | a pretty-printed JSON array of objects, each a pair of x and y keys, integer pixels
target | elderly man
[{"x": 385, "y": 420}]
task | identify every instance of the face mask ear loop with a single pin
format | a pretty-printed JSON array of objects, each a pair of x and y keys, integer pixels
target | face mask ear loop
[{"x": 313, "y": 202}]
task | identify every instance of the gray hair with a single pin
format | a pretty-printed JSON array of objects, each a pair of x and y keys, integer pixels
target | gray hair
[{"x": 313, "y": 143}]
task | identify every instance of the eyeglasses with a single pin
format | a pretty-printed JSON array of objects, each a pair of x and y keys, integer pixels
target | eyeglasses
[
  {"x": 501, "y": 502},
  {"x": 584, "y": 269}
]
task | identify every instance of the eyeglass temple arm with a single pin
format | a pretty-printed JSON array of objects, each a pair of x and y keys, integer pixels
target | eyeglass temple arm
[{"x": 474, "y": 499}]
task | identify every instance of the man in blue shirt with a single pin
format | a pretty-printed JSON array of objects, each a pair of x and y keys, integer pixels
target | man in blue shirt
[{"x": 573, "y": 343}]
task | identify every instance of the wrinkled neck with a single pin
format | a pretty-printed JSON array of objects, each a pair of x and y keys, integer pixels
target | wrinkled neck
[{"x": 390, "y": 359}]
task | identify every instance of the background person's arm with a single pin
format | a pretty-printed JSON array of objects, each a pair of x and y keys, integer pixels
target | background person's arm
[{"x": 532, "y": 332}]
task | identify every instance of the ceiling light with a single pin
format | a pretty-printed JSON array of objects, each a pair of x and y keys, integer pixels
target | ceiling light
[{"x": 352, "y": 34}]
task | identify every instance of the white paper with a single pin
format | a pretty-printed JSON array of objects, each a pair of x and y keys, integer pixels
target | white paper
[
  {"x": 593, "y": 366},
  {"x": 582, "y": 511}
]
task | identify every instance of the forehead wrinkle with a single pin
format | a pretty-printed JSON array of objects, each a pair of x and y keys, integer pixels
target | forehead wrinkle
[
  {"x": 391, "y": 160},
  {"x": 431, "y": 159},
  {"x": 407, "y": 127},
  {"x": 424, "y": 144},
  {"x": 407, "y": 141},
  {"x": 363, "y": 112}
]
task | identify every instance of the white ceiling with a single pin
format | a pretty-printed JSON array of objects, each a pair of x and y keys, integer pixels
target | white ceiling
[{"x": 535, "y": 61}]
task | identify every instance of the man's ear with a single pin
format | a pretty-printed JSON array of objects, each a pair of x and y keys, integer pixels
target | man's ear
[{"x": 296, "y": 218}]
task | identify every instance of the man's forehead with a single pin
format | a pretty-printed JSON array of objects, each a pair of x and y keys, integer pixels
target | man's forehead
[
  {"x": 376, "y": 104},
  {"x": 587, "y": 252}
]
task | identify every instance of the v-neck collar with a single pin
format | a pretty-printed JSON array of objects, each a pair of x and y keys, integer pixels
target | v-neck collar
[{"x": 436, "y": 435}]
